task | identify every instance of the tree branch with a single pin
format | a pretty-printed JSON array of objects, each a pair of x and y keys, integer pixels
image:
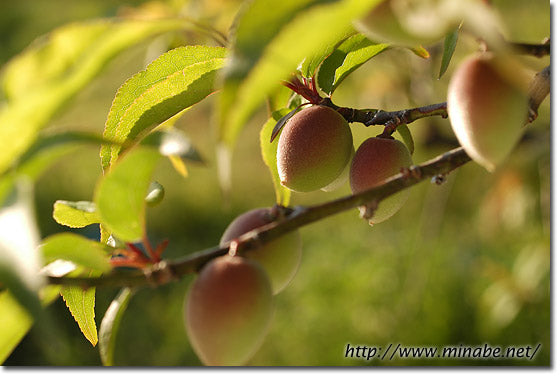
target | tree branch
[
  {"x": 168, "y": 271},
  {"x": 537, "y": 50}
]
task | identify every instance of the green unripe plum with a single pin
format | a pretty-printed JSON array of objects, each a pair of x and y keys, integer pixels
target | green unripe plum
[
  {"x": 376, "y": 160},
  {"x": 228, "y": 310},
  {"x": 487, "y": 106},
  {"x": 314, "y": 148},
  {"x": 280, "y": 257}
]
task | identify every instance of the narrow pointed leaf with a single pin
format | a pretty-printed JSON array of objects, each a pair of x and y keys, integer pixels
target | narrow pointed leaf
[
  {"x": 170, "y": 84},
  {"x": 75, "y": 214},
  {"x": 120, "y": 195},
  {"x": 448, "y": 50},
  {"x": 347, "y": 57},
  {"x": 81, "y": 304},
  {"x": 268, "y": 151},
  {"x": 280, "y": 124},
  {"x": 81, "y": 251},
  {"x": 110, "y": 326}
]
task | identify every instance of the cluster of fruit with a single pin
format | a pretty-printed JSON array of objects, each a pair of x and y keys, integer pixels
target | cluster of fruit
[{"x": 229, "y": 306}]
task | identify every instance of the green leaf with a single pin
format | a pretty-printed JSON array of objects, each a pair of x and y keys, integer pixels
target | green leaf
[
  {"x": 43, "y": 153},
  {"x": 312, "y": 62},
  {"x": 173, "y": 82},
  {"x": 268, "y": 151},
  {"x": 346, "y": 58},
  {"x": 110, "y": 325},
  {"x": 120, "y": 195},
  {"x": 14, "y": 323},
  {"x": 81, "y": 251},
  {"x": 81, "y": 303},
  {"x": 406, "y": 136},
  {"x": 270, "y": 45},
  {"x": 51, "y": 71},
  {"x": 75, "y": 214},
  {"x": 448, "y": 50}
]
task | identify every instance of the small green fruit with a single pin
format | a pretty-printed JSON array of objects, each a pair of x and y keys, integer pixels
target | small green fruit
[
  {"x": 487, "y": 107},
  {"x": 376, "y": 160},
  {"x": 228, "y": 311},
  {"x": 314, "y": 148},
  {"x": 280, "y": 257}
]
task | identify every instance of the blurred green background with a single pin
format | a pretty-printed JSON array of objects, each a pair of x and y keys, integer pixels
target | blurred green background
[{"x": 466, "y": 262}]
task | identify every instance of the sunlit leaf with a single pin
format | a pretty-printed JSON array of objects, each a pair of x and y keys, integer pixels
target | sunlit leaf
[
  {"x": 75, "y": 214},
  {"x": 173, "y": 82},
  {"x": 77, "y": 249},
  {"x": 448, "y": 50},
  {"x": 51, "y": 71},
  {"x": 268, "y": 151},
  {"x": 120, "y": 195},
  {"x": 110, "y": 325},
  {"x": 270, "y": 45},
  {"x": 15, "y": 321},
  {"x": 347, "y": 57},
  {"x": 311, "y": 63},
  {"x": 81, "y": 303}
]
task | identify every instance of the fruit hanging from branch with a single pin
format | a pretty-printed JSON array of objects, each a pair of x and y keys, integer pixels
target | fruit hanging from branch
[
  {"x": 488, "y": 105},
  {"x": 314, "y": 148},
  {"x": 228, "y": 310},
  {"x": 376, "y": 160},
  {"x": 280, "y": 257}
]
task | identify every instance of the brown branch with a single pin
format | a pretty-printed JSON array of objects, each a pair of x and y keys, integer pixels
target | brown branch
[
  {"x": 538, "y": 91},
  {"x": 168, "y": 271},
  {"x": 537, "y": 50}
]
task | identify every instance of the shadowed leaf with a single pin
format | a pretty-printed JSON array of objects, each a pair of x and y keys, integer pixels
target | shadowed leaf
[
  {"x": 268, "y": 152},
  {"x": 110, "y": 325}
]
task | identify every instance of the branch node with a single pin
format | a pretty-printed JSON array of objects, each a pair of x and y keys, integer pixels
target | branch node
[
  {"x": 160, "y": 273},
  {"x": 233, "y": 247},
  {"x": 368, "y": 210},
  {"x": 439, "y": 179},
  {"x": 413, "y": 171}
]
